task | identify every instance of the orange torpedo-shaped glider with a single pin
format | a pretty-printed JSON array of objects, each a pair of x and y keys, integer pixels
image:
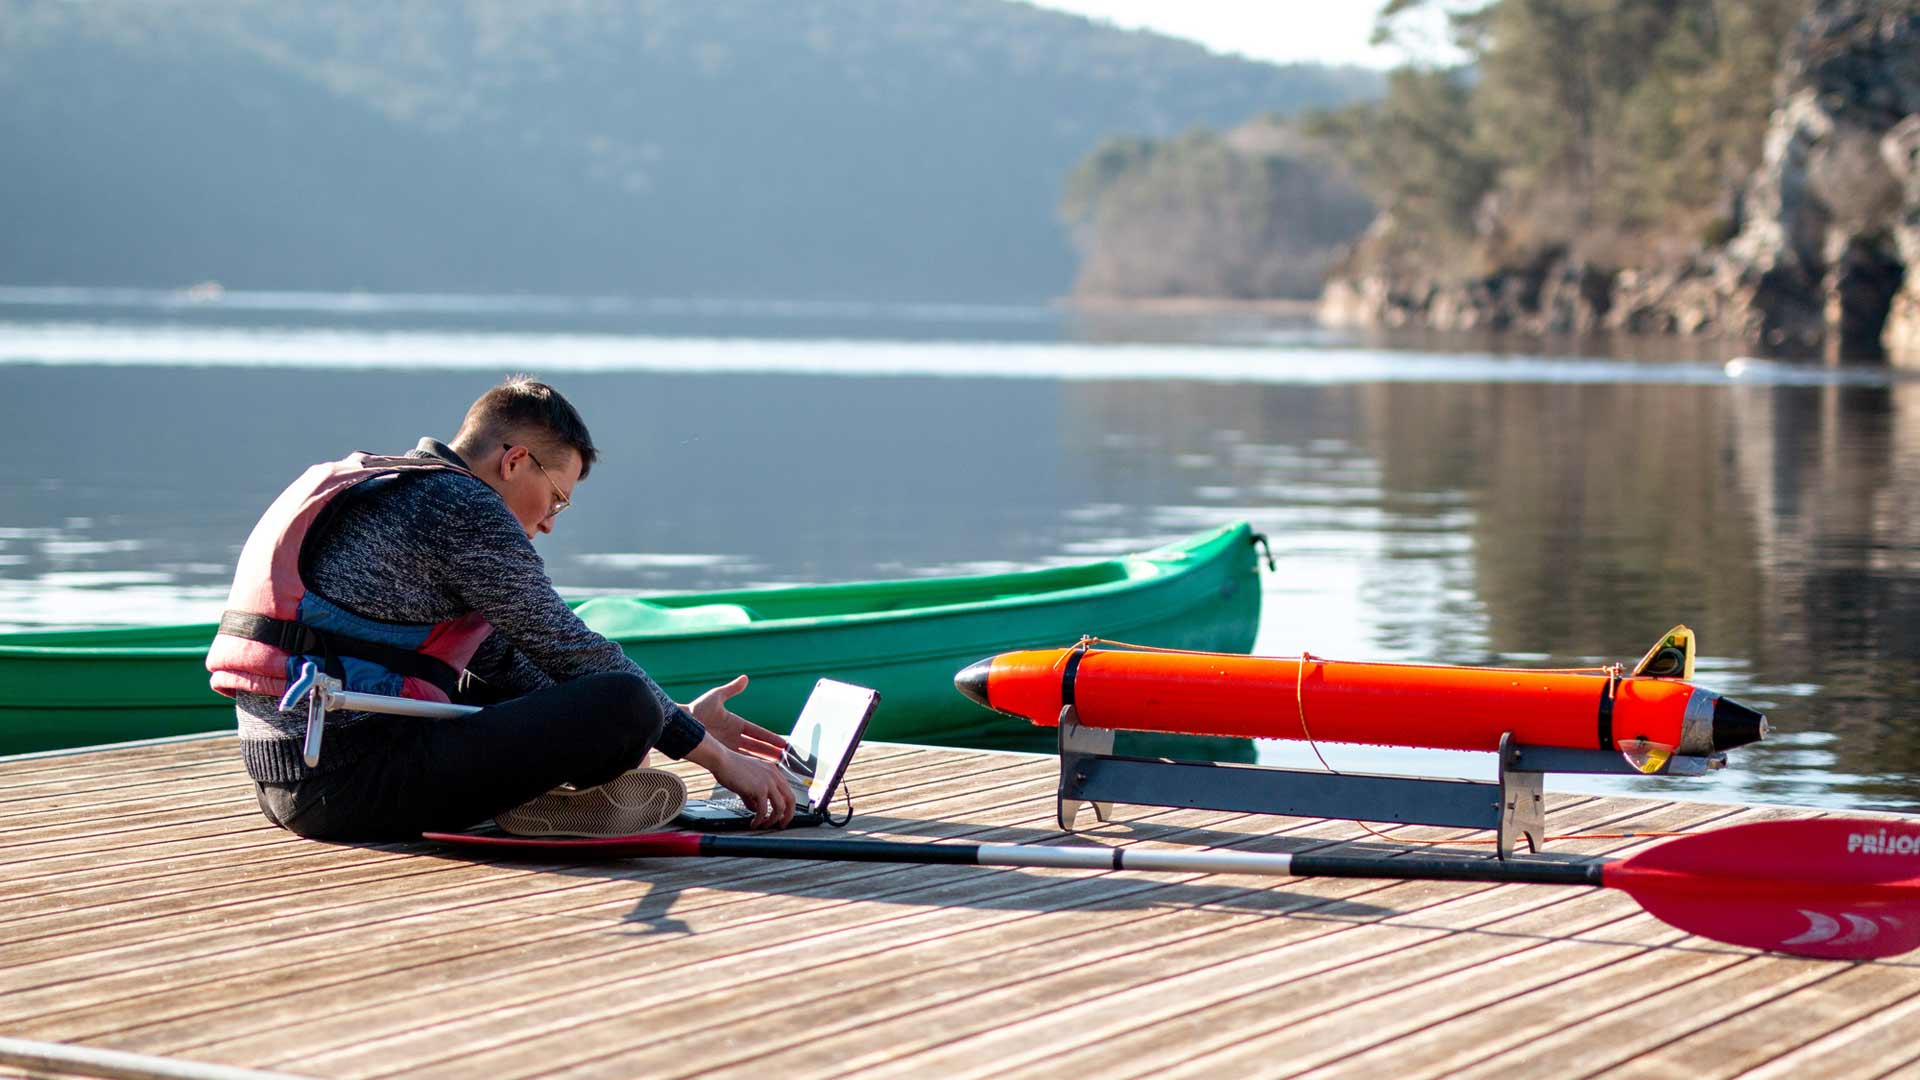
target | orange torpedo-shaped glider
[{"x": 1448, "y": 708}]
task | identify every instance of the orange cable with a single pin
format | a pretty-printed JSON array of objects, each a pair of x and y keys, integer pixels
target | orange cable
[{"x": 1088, "y": 641}]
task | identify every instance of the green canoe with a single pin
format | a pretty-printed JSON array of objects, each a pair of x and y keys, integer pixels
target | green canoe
[{"x": 905, "y": 638}]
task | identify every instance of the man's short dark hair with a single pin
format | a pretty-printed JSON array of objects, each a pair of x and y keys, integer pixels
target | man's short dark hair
[{"x": 526, "y": 407}]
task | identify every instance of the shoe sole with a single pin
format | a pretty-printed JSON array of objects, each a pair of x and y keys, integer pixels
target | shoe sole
[{"x": 633, "y": 802}]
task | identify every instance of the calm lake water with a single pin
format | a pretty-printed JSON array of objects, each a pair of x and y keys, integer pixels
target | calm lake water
[{"x": 1428, "y": 505}]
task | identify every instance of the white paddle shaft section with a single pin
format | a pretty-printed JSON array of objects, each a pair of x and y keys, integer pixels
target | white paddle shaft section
[
  {"x": 70, "y": 1060},
  {"x": 1087, "y": 858},
  {"x": 398, "y": 706}
]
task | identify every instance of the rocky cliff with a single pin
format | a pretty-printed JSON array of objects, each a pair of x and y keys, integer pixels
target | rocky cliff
[{"x": 1823, "y": 256}]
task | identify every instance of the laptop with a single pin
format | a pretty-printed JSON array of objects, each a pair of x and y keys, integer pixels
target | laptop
[{"x": 818, "y": 750}]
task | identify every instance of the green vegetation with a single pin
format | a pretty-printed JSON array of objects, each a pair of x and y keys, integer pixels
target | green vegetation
[
  {"x": 1607, "y": 129},
  {"x": 1415, "y": 152},
  {"x": 1255, "y": 213}
]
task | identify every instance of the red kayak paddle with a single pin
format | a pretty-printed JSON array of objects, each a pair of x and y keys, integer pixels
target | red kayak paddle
[{"x": 1842, "y": 888}]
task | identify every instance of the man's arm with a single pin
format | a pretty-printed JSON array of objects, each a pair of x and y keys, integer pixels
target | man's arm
[
  {"x": 493, "y": 568},
  {"x": 490, "y": 567}
]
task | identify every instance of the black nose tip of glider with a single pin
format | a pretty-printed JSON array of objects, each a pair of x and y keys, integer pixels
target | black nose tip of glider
[
  {"x": 972, "y": 681},
  {"x": 1736, "y": 725}
]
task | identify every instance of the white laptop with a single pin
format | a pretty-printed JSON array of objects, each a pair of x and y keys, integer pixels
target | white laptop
[{"x": 818, "y": 750}]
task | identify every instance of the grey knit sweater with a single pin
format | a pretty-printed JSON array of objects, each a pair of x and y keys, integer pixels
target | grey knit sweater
[{"x": 423, "y": 548}]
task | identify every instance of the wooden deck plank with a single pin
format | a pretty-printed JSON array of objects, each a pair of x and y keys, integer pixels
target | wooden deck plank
[
  {"x": 184, "y": 883},
  {"x": 165, "y": 860},
  {"x": 1834, "y": 998},
  {"x": 838, "y": 980},
  {"x": 502, "y": 879},
  {"x": 175, "y": 932},
  {"x": 26, "y": 845},
  {"x": 1881, "y": 1043},
  {"x": 80, "y": 888},
  {"x": 118, "y": 886},
  {"x": 25, "y": 769},
  {"x": 100, "y": 848},
  {"x": 972, "y": 1031},
  {"x": 1004, "y": 906},
  {"x": 661, "y": 913},
  {"x": 84, "y": 789},
  {"x": 1223, "y": 1010},
  {"x": 1120, "y": 1027},
  {"x": 1325, "y": 1035},
  {"x": 89, "y": 814},
  {"x": 1030, "y": 811},
  {"x": 880, "y": 917},
  {"x": 150, "y": 867},
  {"x": 106, "y": 849},
  {"x": 85, "y": 783},
  {"x": 78, "y": 804},
  {"x": 63, "y": 818},
  {"x": 1611, "y": 961},
  {"x": 1723, "y": 982},
  {"x": 76, "y": 794},
  {"x": 1479, "y": 1013}
]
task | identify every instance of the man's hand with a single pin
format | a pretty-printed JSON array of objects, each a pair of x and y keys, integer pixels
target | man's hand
[
  {"x": 734, "y": 731},
  {"x": 759, "y": 783}
]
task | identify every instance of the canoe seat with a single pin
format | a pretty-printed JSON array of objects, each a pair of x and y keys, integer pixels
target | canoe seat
[{"x": 623, "y": 616}]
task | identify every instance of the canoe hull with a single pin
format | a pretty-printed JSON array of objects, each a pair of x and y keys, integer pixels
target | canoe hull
[{"x": 905, "y": 639}]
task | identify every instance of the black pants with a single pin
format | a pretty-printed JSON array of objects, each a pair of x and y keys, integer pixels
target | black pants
[{"x": 446, "y": 775}]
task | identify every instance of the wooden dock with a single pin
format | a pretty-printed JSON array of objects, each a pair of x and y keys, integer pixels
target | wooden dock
[{"x": 147, "y": 907}]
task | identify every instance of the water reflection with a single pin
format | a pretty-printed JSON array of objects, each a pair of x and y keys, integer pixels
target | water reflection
[
  {"x": 1571, "y": 524},
  {"x": 1504, "y": 510}
]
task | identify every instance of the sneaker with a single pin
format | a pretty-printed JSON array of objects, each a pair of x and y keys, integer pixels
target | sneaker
[{"x": 636, "y": 801}]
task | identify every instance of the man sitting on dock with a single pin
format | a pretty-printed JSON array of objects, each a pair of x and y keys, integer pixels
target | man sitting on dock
[{"x": 416, "y": 576}]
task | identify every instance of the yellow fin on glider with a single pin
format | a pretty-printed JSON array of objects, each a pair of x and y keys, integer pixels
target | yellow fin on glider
[{"x": 1670, "y": 658}]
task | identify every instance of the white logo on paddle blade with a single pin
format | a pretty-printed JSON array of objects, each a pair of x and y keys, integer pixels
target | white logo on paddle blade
[
  {"x": 1864, "y": 929},
  {"x": 1824, "y": 929}
]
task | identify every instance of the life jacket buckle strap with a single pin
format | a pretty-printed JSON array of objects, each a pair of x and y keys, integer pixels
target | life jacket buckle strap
[{"x": 299, "y": 639}]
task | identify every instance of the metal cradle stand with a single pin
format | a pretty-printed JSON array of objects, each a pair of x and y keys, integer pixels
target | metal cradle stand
[{"x": 1514, "y": 805}]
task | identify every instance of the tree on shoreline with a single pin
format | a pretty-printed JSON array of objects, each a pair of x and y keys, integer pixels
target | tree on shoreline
[
  {"x": 1258, "y": 212},
  {"x": 1607, "y": 130}
]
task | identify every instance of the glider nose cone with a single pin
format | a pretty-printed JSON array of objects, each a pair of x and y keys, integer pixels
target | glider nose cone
[
  {"x": 972, "y": 681},
  {"x": 1736, "y": 725}
]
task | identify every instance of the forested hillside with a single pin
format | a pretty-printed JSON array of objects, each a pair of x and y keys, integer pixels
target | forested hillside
[{"x": 903, "y": 149}]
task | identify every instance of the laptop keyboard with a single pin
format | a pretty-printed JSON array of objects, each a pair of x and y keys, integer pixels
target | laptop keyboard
[{"x": 735, "y": 804}]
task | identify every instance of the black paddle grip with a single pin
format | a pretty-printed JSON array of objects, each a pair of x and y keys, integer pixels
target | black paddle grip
[{"x": 1448, "y": 868}]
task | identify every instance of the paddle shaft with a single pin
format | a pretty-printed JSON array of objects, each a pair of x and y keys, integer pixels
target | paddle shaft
[
  {"x": 1425, "y": 867},
  {"x": 354, "y": 700},
  {"x": 1836, "y": 888}
]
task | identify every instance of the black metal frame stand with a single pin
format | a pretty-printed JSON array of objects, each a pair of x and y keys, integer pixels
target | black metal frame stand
[{"x": 1514, "y": 805}]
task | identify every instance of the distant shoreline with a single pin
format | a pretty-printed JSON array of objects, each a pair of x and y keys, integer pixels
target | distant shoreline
[{"x": 1187, "y": 305}]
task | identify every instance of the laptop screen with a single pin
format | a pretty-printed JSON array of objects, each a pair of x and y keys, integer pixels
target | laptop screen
[{"x": 824, "y": 736}]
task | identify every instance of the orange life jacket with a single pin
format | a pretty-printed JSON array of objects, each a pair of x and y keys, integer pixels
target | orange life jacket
[{"x": 273, "y": 624}]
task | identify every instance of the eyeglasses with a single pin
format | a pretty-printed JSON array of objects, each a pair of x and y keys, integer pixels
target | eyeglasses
[{"x": 560, "y": 500}]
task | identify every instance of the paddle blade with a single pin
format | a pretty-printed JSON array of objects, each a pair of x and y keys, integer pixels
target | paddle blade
[{"x": 1840, "y": 888}]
